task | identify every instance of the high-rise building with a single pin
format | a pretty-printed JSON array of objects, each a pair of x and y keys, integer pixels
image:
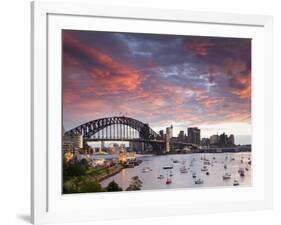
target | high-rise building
[
  {"x": 181, "y": 135},
  {"x": 223, "y": 139},
  {"x": 231, "y": 140},
  {"x": 171, "y": 131},
  {"x": 205, "y": 142},
  {"x": 214, "y": 139},
  {"x": 168, "y": 136},
  {"x": 161, "y": 133},
  {"x": 194, "y": 135}
]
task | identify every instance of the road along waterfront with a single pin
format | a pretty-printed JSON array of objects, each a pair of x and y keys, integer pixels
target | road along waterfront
[{"x": 209, "y": 167}]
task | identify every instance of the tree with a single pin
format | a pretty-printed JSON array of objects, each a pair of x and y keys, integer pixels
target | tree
[
  {"x": 135, "y": 184},
  {"x": 88, "y": 184},
  {"x": 75, "y": 169},
  {"x": 83, "y": 184},
  {"x": 113, "y": 186}
]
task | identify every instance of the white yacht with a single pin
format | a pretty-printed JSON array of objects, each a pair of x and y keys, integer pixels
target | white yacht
[
  {"x": 204, "y": 169},
  {"x": 199, "y": 181},
  {"x": 235, "y": 183},
  {"x": 183, "y": 169},
  {"x": 226, "y": 176},
  {"x": 160, "y": 177},
  {"x": 146, "y": 169}
]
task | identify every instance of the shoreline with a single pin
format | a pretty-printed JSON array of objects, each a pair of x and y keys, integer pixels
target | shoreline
[{"x": 112, "y": 173}]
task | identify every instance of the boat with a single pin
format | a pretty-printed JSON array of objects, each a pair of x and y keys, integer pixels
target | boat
[
  {"x": 183, "y": 169},
  {"x": 225, "y": 166},
  {"x": 226, "y": 176},
  {"x": 206, "y": 162},
  {"x": 207, "y": 173},
  {"x": 204, "y": 168},
  {"x": 235, "y": 183},
  {"x": 199, "y": 181},
  {"x": 160, "y": 177},
  {"x": 146, "y": 169},
  {"x": 175, "y": 161},
  {"x": 171, "y": 174},
  {"x": 249, "y": 162},
  {"x": 129, "y": 164},
  {"x": 232, "y": 159},
  {"x": 167, "y": 167},
  {"x": 137, "y": 162},
  {"x": 194, "y": 175},
  {"x": 168, "y": 181},
  {"x": 246, "y": 168},
  {"x": 241, "y": 170}
]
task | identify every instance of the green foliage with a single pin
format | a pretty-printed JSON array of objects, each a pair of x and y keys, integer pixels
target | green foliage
[
  {"x": 135, "y": 184},
  {"x": 75, "y": 169},
  {"x": 83, "y": 184},
  {"x": 79, "y": 177},
  {"x": 113, "y": 186}
]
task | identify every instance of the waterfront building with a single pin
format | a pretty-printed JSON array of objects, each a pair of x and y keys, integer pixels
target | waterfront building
[
  {"x": 194, "y": 135},
  {"x": 126, "y": 156}
]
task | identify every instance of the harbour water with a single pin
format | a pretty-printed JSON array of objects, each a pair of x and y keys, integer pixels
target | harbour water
[{"x": 219, "y": 164}]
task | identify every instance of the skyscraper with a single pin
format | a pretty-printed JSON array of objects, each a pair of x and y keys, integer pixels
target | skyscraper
[
  {"x": 223, "y": 139},
  {"x": 231, "y": 140},
  {"x": 214, "y": 139},
  {"x": 193, "y": 135},
  {"x": 168, "y": 136},
  {"x": 181, "y": 135},
  {"x": 161, "y": 133}
]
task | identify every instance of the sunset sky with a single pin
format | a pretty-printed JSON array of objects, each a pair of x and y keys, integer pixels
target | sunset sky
[{"x": 158, "y": 79}]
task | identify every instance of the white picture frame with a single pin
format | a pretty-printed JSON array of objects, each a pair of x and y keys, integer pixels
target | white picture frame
[{"x": 46, "y": 204}]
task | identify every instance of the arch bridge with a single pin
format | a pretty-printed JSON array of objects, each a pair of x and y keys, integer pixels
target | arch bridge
[
  {"x": 121, "y": 128},
  {"x": 115, "y": 128}
]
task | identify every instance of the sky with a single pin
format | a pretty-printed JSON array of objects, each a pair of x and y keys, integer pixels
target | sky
[{"x": 158, "y": 79}]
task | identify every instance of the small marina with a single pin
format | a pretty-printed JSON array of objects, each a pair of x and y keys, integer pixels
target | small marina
[{"x": 187, "y": 171}]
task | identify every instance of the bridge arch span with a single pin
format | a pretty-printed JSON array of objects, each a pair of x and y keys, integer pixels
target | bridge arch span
[{"x": 92, "y": 127}]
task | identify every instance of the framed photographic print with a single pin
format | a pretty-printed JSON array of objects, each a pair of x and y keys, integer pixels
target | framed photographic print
[{"x": 142, "y": 109}]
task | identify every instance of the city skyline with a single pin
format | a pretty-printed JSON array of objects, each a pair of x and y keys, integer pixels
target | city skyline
[{"x": 186, "y": 81}]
